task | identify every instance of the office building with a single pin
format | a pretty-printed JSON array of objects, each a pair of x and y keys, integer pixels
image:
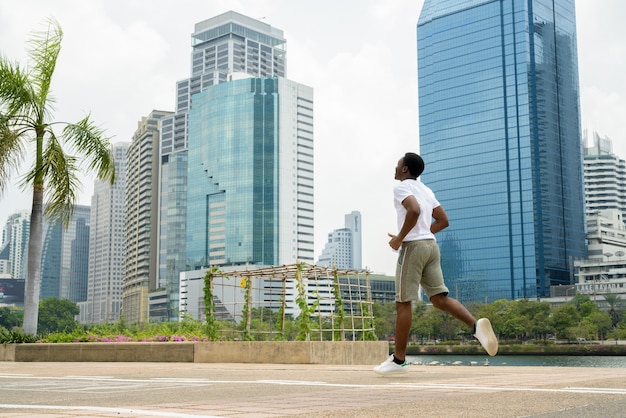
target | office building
[
  {"x": 500, "y": 134},
  {"x": 343, "y": 248},
  {"x": 141, "y": 217},
  {"x": 15, "y": 235},
  {"x": 106, "y": 246},
  {"x": 51, "y": 261},
  {"x": 65, "y": 257},
  {"x": 605, "y": 176},
  {"x": 231, "y": 48},
  {"x": 250, "y": 185}
]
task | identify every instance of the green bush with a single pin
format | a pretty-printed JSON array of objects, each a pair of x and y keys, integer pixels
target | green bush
[{"x": 7, "y": 336}]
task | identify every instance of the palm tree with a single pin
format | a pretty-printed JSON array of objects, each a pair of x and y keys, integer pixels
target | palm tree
[{"x": 25, "y": 126}]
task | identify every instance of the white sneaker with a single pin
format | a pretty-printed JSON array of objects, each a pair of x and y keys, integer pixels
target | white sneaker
[
  {"x": 389, "y": 367},
  {"x": 485, "y": 335}
]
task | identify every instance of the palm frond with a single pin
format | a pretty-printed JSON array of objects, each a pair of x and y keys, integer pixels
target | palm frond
[
  {"x": 44, "y": 48},
  {"x": 90, "y": 142},
  {"x": 60, "y": 171},
  {"x": 17, "y": 97},
  {"x": 11, "y": 153}
]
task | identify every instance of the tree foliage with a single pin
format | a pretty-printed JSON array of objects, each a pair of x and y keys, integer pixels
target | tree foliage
[
  {"x": 57, "y": 315},
  {"x": 9, "y": 318},
  {"x": 579, "y": 319}
]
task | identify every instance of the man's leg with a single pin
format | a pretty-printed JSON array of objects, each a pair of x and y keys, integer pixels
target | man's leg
[
  {"x": 481, "y": 329},
  {"x": 395, "y": 364},
  {"x": 403, "y": 327},
  {"x": 454, "y": 308}
]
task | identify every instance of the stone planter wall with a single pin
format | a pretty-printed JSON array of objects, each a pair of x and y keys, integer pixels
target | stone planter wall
[{"x": 277, "y": 352}]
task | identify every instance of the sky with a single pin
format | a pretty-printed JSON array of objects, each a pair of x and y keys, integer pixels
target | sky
[{"x": 120, "y": 59}]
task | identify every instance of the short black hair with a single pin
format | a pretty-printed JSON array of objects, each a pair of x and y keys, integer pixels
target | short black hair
[{"x": 415, "y": 163}]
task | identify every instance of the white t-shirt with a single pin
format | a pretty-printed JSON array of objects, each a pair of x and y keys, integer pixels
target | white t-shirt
[{"x": 427, "y": 201}]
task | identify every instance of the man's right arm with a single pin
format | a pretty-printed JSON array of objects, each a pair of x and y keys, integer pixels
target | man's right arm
[
  {"x": 410, "y": 220},
  {"x": 441, "y": 220}
]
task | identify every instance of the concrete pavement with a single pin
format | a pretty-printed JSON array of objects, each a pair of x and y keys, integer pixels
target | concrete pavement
[{"x": 280, "y": 390}]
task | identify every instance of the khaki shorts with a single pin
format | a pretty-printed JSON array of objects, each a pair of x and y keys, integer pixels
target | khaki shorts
[{"x": 419, "y": 264}]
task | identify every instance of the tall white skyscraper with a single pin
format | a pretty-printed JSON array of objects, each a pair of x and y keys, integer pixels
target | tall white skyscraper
[
  {"x": 15, "y": 235},
  {"x": 343, "y": 248},
  {"x": 106, "y": 246},
  {"x": 605, "y": 176}
]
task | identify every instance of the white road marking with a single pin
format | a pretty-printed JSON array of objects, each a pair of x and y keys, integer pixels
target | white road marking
[
  {"x": 603, "y": 391},
  {"x": 117, "y": 384},
  {"x": 104, "y": 409}
]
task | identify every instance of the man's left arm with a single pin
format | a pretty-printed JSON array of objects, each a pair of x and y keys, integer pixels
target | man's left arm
[{"x": 441, "y": 220}]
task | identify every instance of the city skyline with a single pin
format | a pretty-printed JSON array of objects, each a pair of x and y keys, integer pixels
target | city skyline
[{"x": 357, "y": 103}]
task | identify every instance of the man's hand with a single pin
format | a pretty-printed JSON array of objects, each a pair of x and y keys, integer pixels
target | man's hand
[{"x": 395, "y": 242}]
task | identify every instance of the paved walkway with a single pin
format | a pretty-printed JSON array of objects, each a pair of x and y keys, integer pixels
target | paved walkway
[{"x": 266, "y": 390}]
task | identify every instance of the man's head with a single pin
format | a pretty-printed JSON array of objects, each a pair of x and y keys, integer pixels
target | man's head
[{"x": 410, "y": 166}]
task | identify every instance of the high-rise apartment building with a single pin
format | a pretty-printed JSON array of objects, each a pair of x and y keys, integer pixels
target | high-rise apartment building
[
  {"x": 343, "y": 248},
  {"x": 141, "y": 217},
  {"x": 500, "y": 135},
  {"x": 106, "y": 246},
  {"x": 15, "y": 236},
  {"x": 65, "y": 257},
  {"x": 605, "y": 177},
  {"x": 227, "y": 48}
]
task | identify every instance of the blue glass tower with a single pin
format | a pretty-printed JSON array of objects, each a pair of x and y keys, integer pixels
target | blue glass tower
[
  {"x": 500, "y": 134},
  {"x": 250, "y": 183},
  {"x": 65, "y": 258}
]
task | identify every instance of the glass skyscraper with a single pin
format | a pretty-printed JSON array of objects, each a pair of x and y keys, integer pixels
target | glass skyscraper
[
  {"x": 65, "y": 257},
  {"x": 227, "y": 49},
  {"x": 250, "y": 185},
  {"x": 500, "y": 135}
]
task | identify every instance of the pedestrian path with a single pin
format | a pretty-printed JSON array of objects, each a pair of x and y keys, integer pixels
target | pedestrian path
[{"x": 268, "y": 390}]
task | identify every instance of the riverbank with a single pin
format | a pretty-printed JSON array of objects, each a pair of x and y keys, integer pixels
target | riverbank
[{"x": 585, "y": 349}]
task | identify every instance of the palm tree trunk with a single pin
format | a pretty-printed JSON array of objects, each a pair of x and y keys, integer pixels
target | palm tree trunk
[{"x": 35, "y": 246}]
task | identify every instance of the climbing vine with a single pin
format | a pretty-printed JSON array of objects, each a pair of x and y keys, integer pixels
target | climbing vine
[
  {"x": 304, "y": 319},
  {"x": 209, "y": 303},
  {"x": 340, "y": 312}
]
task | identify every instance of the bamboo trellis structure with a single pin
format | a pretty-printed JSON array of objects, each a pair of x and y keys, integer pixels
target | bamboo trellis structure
[{"x": 332, "y": 304}]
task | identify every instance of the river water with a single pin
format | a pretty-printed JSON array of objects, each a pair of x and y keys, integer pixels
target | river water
[{"x": 507, "y": 360}]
